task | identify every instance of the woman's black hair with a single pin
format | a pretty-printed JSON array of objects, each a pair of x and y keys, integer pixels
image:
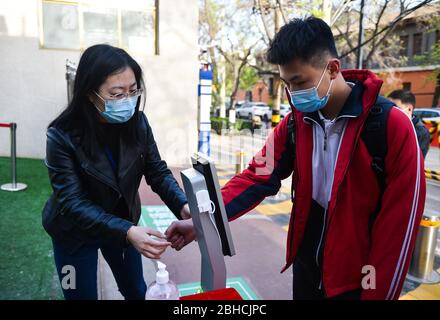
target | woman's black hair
[{"x": 97, "y": 63}]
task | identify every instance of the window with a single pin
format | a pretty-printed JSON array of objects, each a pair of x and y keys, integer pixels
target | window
[
  {"x": 406, "y": 86},
  {"x": 129, "y": 24},
  {"x": 61, "y": 26},
  {"x": 100, "y": 25},
  {"x": 417, "y": 45},
  {"x": 137, "y": 29},
  {"x": 404, "y": 45},
  {"x": 260, "y": 94},
  {"x": 426, "y": 113}
]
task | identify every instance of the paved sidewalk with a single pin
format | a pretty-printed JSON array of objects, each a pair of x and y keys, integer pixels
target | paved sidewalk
[{"x": 432, "y": 161}]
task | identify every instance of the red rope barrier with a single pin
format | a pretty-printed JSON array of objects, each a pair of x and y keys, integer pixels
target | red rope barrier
[{"x": 5, "y": 125}]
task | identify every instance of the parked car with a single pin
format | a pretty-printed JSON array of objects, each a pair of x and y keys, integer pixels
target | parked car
[
  {"x": 249, "y": 110},
  {"x": 239, "y": 104},
  {"x": 284, "y": 110},
  {"x": 428, "y": 113}
]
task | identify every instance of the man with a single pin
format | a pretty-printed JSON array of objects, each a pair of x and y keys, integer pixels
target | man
[
  {"x": 355, "y": 215},
  {"x": 406, "y": 101}
]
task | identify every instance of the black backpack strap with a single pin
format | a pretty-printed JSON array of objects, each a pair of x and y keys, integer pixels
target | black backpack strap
[
  {"x": 374, "y": 134},
  {"x": 291, "y": 143},
  {"x": 291, "y": 132}
]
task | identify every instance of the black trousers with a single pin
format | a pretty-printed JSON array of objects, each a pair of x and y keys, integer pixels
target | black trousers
[{"x": 305, "y": 286}]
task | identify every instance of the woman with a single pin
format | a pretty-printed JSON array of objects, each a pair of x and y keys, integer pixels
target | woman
[{"x": 98, "y": 149}]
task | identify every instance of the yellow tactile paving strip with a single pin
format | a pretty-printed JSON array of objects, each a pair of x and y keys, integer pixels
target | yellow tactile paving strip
[
  {"x": 267, "y": 209},
  {"x": 278, "y": 208}
]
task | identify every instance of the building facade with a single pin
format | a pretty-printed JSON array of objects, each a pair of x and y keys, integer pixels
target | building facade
[{"x": 37, "y": 36}]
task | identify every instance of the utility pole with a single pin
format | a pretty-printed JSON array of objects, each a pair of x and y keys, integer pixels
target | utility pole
[
  {"x": 221, "y": 69},
  {"x": 276, "y": 81},
  {"x": 360, "y": 57}
]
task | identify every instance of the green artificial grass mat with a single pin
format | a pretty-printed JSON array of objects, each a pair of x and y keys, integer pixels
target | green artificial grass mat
[{"x": 27, "y": 268}]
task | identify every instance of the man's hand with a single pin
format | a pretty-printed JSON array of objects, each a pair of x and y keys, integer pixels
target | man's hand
[
  {"x": 185, "y": 213},
  {"x": 140, "y": 238},
  {"x": 180, "y": 233}
]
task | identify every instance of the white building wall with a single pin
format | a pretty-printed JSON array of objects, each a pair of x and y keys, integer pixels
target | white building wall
[{"x": 33, "y": 86}]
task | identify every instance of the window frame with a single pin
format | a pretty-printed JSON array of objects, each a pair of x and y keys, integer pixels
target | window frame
[{"x": 154, "y": 10}]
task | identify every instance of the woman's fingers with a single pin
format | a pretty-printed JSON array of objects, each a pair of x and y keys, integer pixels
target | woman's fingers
[
  {"x": 153, "y": 252},
  {"x": 150, "y": 255},
  {"x": 158, "y": 243},
  {"x": 155, "y": 233},
  {"x": 154, "y": 249}
]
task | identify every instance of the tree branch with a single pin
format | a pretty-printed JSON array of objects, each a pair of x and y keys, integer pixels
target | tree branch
[
  {"x": 266, "y": 29},
  {"x": 346, "y": 36},
  {"x": 282, "y": 11},
  {"x": 376, "y": 28},
  {"x": 390, "y": 26}
]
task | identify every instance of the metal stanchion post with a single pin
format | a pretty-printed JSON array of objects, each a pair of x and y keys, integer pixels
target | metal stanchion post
[
  {"x": 239, "y": 166},
  {"x": 14, "y": 186},
  {"x": 422, "y": 262}
]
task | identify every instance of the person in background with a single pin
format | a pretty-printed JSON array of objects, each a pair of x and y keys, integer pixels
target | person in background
[{"x": 406, "y": 101}]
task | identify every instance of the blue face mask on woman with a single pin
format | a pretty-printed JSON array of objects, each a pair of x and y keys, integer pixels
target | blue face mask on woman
[
  {"x": 120, "y": 110},
  {"x": 308, "y": 100}
]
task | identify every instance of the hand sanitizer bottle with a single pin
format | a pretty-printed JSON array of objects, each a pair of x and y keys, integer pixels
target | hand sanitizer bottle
[{"x": 162, "y": 288}]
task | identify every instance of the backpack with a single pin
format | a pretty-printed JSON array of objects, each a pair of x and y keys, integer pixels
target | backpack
[{"x": 374, "y": 135}]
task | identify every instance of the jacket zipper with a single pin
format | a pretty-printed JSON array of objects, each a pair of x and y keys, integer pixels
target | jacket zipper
[
  {"x": 103, "y": 181},
  {"x": 320, "y": 243},
  {"x": 351, "y": 157},
  {"x": 325, "y": 215},
  {"x": 321, "y": 287},
  {"x": 131, "y": 165},
  {"x": 324, "y": 218}
]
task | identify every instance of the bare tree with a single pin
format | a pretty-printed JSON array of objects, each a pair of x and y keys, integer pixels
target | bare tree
[
  {"x": 231, "y": 37},
  {"x": 237, "y": 57},
  {"x": 380, "y": 45}
]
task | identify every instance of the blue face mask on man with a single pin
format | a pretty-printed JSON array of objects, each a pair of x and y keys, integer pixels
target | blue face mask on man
[
  {"x": 308, "y": 100},
  {"x": 120, "y": 110}
]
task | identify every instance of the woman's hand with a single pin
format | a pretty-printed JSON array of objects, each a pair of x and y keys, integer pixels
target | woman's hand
[
  {"x": 185, "y": 213},
  {"x": 140, "y": 238}
]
